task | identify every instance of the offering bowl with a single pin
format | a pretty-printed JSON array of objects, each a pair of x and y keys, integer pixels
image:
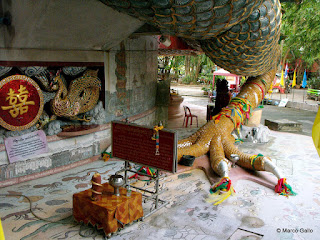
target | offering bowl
[{"x": 116, "y": 181}]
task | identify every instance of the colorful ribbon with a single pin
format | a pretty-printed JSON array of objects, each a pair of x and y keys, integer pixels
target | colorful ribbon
[
  {"x": 146, "y": 170},
  {"x": 253, "y": 159},
  {"x": 283, "y": 188},
  {"x": 238, "y": 106},
  {"x": 155, "y": 137},
  {"x": 221, "y": 191}
]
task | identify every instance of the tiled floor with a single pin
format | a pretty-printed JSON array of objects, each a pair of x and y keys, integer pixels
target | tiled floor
[{"x": 253, "y": 208}]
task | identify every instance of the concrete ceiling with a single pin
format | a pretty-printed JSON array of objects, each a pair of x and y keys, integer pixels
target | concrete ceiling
[{"x": 64, "y": 25}]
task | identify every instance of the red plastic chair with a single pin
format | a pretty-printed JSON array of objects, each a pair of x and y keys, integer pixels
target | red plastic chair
[{"x": 187, "y": 115}]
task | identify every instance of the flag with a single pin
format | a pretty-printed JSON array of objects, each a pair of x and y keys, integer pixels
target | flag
[
  {"x": 294, "y": 81},
  {"x": 271, "y": 87},
  {"x": 304, "y": 81},
  {"x": 286, "y": 71},
  {"x": 1, "y": 232},
  {"x": 316, "y": 132},
  {"x": 282, "y": 79}
]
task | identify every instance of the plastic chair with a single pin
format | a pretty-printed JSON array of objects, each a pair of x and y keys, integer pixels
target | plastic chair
[{"x": 187, "y": 115}]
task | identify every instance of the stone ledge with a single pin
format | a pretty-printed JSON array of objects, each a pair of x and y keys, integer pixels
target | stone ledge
[
  {"x": 100, "y": 128},
  {"x": 303, "y": 106},
  {"x": 64, "y": 152},
  {"x": 284, "y": 125},
  {"x": 16, "y": 180}
]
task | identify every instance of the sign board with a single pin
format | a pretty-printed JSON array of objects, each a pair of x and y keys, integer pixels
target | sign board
[
  {"x": 21, "y": 102},
  {"x": 26, "y": 146},
  {"x": 283, "y": 102},
  {"x": 133, "y": 143}
]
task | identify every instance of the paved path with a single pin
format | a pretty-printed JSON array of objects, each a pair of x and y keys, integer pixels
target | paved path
[
  {"x": 193, "y": 97},
  {"x": 296, "y": 95}
]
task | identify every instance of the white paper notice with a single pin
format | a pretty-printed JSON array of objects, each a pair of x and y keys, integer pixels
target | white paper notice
[
  {"x": 26, "y": 146},
  {"x": 283, "y": 102}
]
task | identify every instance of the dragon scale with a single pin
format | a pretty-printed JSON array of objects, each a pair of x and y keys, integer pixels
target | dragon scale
[
  {"x": 81, "y": 96},
  {"x": 240, "y": 36}
]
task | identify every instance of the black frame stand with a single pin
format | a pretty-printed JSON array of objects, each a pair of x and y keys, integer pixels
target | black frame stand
[{"x": 148, "y": 195}]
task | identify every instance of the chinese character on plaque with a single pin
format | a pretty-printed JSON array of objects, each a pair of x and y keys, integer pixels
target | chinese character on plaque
[{"x": 21, "y": 102}]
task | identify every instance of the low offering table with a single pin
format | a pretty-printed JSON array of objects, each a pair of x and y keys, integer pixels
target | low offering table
[{"x": 111, "y": 212}]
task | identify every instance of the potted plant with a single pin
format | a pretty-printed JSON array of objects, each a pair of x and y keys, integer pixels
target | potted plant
[{"x": 205, "y": 90}]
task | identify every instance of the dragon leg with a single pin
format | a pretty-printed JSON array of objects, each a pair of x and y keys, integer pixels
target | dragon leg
[
  {"x": 239, "y": 36},
  {"x": 198, "y": 143},
  {"x": 222, "y": 142}
]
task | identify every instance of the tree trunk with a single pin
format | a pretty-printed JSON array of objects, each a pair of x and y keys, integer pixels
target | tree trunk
[
  {"x": 197, "y": 67},
  {"x": 187, "y": 65},
  {"x": 283, "y": 65}
]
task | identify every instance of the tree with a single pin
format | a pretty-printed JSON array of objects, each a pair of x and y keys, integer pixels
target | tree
[
  {"x": 187, "y": 65},
  {"x": 191, "y": 65},
  {"x": 301, "y": 31},
  {"x": 195, "y": 64},
  {"x": 172, "y": 64}
]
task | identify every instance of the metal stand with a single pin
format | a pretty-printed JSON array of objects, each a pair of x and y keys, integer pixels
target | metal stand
[{"x": 148, "y": 195}]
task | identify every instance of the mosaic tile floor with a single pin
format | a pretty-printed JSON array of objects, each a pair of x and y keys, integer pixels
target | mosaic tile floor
[{"x": 187, "y": 216}]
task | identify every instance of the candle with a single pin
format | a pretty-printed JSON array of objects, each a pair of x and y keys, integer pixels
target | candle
[{"x": 96, "y": 187}]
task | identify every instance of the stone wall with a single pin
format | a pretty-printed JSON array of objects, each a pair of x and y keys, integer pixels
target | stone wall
[
  {"x": 130, "y": 82},
  {"x": 64, "y": 153},
  {"x": 131, "y": 74}
]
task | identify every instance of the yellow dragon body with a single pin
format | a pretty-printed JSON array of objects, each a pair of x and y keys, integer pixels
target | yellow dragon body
[{"x": 81, "y": 96}]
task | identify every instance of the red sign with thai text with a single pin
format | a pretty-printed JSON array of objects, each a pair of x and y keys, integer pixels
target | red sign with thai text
[{"x": 134, "y": 143}]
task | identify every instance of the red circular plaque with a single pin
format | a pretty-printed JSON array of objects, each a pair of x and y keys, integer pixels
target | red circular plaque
[{"x": 21, "y": 102}]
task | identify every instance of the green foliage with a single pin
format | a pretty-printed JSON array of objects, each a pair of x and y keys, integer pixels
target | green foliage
[
  {"x": 207, "y": 63},
  {"x": 242, "y": 80},
  {"x": 209, "y": 76},
  {"x": 219, "y": 77},
  {"x": 301, "y": 28},
  {"x": 216, "y": 78},
  {"x": 200, "y": 68},
  {"x": 189, "y": 79},
  {"x": 172, "y": 64},
  {"x": 314, "y": 83},
  {"x": 206, "y": 89}
]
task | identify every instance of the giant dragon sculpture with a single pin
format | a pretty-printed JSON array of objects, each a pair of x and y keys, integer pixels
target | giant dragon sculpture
[{"x": 240, "y": 36}]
